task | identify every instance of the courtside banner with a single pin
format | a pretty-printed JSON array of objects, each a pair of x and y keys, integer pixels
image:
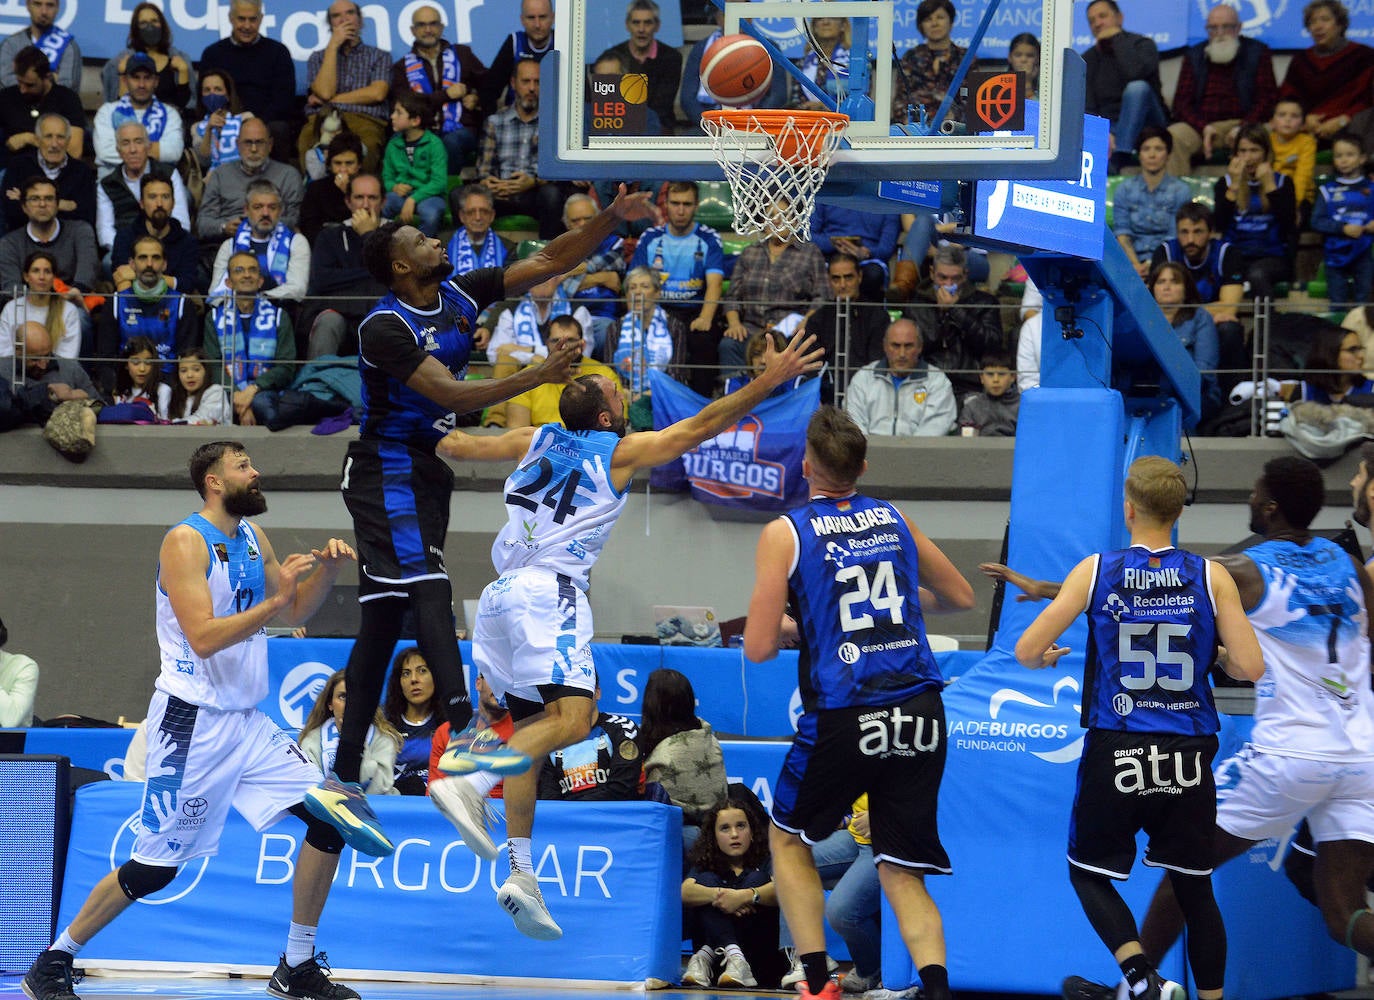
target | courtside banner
[
  {"x": 601, "y": 868},
  {"x": 755, "y": 465}
]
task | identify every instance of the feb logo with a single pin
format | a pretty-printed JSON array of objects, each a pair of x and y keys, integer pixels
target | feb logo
[
  {"x": 998, "y": 101},
  {"x": 299, "y": 689}
]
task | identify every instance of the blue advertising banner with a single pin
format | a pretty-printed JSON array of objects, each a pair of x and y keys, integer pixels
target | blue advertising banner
[
  {"x": 97, "y": 749},
  {"x": 755, "y": 465},
  {"x": 1064, "y": 216},
  {"x": 600, "y": 866}
]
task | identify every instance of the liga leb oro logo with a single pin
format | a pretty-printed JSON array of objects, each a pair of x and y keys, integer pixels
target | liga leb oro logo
[{"x": 998, "y": 102}]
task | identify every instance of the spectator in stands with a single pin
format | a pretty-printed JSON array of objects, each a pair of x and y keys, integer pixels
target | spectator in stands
[
  {"x": 614, "y": 62},
  {"x": 1023, "y": 56},
  {"x": 833, "y": 36},
  {"x": 38, "y": 303},
  {"x": 155, "y": 218},
  {"x": 71, "y": 243},
  {"x": 474, "y": 244},
  {"x": 775, "y": 283},
  {"x": 869, "y": 237},
  {"x": 139, "y": 379},
  {"x": 1334, "y": 79},
  {"x": 508, "y": 166},
  {"x": 413, "y": 707},
  {"x": 319, "y": 739},
  {"x": 662, "y": 64},
  {"x": 902, "y": 394},
  {"x": 730, "y": 903},
  {"x": 119, "y": 195},
  {"x": 1123, "y": 78},
  {"x": 604, "y": 767},
  {"x": 449, "y": 76},
  {"x": 1295, "y": 153},
  {"x": 151, "y": 35},
  {"x": 681, "y": 754},
  {"x": 248, "y": 338},
  {"x": 326, "y": 388},
  {"x": 754, "y": 361},
  {"x": 693, "y": 97},
  {"x": 594, "y": 283},
  {"x": 993, "y": 411},
  {"x": 959, "y": 322},
  {"x": 521, "y": 334},
  {"x": 648, "y": 337},
  {"x": 262, "y": 69},
  {"x": 690, "y": 263},
  {"x": 414, "y": 167},
  {"x": 64, "y": 55},
  {"x": 162, "y": 121},
  {"x": 867, "y": 324},
  {"x": 51, "y": 157},
  {"x": 1217, "y": 272},
  {"x": 925, "y": 72},
  {"x": 283, "y": 254},
  {"x": 19, "y": 686},
  {"x": 925, "y": 233},
  {"x": 1173, "y": 288},
  {"x": 215, "y": 137},
  {"x": 1345, "y": 216},
  {"x": 146, "y": 304},
  {"x": 1223, "y": 83},
  {"x": 351, "y": 77},
  {"x": 1146, "y": 203},
  {"x": 539, "y": 406},
  {"x": 35, "y": 92},
  {"x": 1334, "y": 367},
  {"x": 534, "y": 41},
  {"x": 341, "y": 289},
  {"x": 45, "y": 381},
  {"x": 326, "y": 199},
  {"x": 196, "y": 399},
  {"x": 1256, "y": 212}
]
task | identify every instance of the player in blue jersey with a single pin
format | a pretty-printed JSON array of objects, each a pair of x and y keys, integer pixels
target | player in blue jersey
[
  {"x": 532, "y": 639},
  {"x": 413, "y": 355},
  {"x": 1155, "y": 616},
  {"x": 860, "y": 578},
  {"x": 218, "y": 585},
  {"x": 1311, "y": 752}
]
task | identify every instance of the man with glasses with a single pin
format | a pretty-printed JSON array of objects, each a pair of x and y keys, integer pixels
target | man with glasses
[
  {"x": 354, "y": 79},
  {"x": 474, "y": 244},
  {"x": 595, "y": 283},
  {"x": 867, "y": 325},
  {"x": 283, "y": 254},
  {"x": 221, "y": 207},
  {"x": 250, "y": 335},
  {"x": 264, "y": 74},
  {"x": 449, "y": 75},
  {"x": 71, "y": 243},
  {"x": 538, "y": 406},
  {"x": 1223, "y": 83}
]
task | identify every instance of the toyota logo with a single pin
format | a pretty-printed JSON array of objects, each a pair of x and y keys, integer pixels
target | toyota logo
[{"x": 194, "y": 807}]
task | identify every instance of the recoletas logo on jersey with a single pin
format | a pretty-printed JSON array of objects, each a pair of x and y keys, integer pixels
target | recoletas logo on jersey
[{"x": 729, "y": 465}]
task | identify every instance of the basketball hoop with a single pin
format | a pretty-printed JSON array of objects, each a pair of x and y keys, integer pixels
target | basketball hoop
[{"x": 776, "y": 162}]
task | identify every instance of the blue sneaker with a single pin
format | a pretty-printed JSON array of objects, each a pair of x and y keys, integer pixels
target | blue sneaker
[
  {"x": 481, "y": 750},
  {"x": 343, "y": 806}
]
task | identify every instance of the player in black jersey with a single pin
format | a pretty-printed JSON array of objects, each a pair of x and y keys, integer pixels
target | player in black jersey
[{"x": 413, "y": 356}]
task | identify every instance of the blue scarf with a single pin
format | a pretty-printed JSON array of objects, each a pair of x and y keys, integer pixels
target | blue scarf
[
  {"x": 815, "y": 70},
  {"x": 417, "y": 75},
  {"x": 278, "y": 248},
  {"x": 464, "y": 260},
  {"x": 225, "y": 148},
  {"x": 526, "y": 320},
  {"x": 254, "y": 353},
  {"x": 154, "y": 119},
  {"x": 54, "y": 45},
  {"x": 652, "y": 348}
]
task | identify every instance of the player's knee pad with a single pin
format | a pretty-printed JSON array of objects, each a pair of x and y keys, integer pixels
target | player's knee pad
[
  {"x": 321, "y": 836},
  {"x": 138, "y": 880}
]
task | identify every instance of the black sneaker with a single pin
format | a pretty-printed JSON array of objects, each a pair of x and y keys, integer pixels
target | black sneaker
[
  {"x": 307, "y": 981},
  {"x": 1078, "y": 988},
  {"x": 50, "y": 977}
]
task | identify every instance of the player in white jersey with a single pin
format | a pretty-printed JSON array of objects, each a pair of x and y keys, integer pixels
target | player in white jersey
[
  {"x": 1311, "y": 753},
  {"x": 534, "y": 627},
  {"x": 218, "y": 585}
]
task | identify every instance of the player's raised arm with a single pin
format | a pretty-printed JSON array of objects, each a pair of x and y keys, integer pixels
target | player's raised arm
[
  {"x": 461, "y": 446},
  {"x": 943, "y": 587},
  {"x": 1036, "y": 648}
]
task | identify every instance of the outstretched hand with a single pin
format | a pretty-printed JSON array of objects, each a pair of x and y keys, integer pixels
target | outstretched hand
[
  {"x": 335, "y": 552},
  {"x": 289, "y": 575},
  {"x": 1005, "y": 574},
  {"x": 797, "y": 358},
  {"x": 557, "y": 367},
  {"x": 1050, "y": 657},
  {"x": 632, "y": 207}
]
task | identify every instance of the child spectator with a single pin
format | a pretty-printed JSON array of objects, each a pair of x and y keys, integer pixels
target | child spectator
[
  {"x": 415, "y": 166},
  {"x": 1345, "y": 215},
  {"x": 215, "y": 137},
  {"x": 195, "y": 399},
  {"x": 992, "y": 412},
  {"x": 1295, "y": 153},
  {"x": 731, "y": 905},
  {"x": 413, "y": 707},
  {"x": 139, "y": 379},
  {"x": 319, "y": 739},
  {"x": 753, "y": 361}
]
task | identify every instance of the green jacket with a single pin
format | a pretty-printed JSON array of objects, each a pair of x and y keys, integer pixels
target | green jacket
[{"x": 428, "y": 174}]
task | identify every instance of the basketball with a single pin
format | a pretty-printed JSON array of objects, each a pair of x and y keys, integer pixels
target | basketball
[
  {"x": 736, "y": 70},
  {"x": 634, "y": 88}
]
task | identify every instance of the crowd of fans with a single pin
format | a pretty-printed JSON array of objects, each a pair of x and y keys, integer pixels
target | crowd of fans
[{"x": 197, "y": 242}]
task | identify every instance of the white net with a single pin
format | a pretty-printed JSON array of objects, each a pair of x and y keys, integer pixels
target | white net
[{"x": 776, "y": 162}]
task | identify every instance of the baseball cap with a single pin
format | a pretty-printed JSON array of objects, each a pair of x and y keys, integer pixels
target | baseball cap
[{"x": 140, "y": 62}]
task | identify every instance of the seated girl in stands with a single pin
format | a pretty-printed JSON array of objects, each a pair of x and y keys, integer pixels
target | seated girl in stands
[
  {"x": 139, "y": 379},
  {"x": 37, "y": 304},
  {"x": 215, "y": 138},
  {"x": 319, "y": 739},
  {"x": 681, "y": 754},
  {"x": 1178, "y": 298},
  {"x": 412, "y": 705},
  {"x": 730, "y": 903},
  {"x": 195, "y": 399},
  {"x": 1334, "y": 367}
]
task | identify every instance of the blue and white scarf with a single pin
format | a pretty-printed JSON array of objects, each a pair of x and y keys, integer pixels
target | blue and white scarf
[
  {"x": 225, "y": 148},
  {"x": 526, "y": 320},
  {"x": 450, "y": 72},
  {"x": 54, "y": 45},
  {"x": 814, "y": 69},
  {"x": 153, "y": 118},
  {"x": 645, "y": 349},
  {"x": 464, "y": 260},
  {"x": 278, "y": 254},
  {"x": 254, "y": 353}
]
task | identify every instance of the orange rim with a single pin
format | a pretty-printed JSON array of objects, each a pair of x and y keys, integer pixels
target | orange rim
[{"x": 771, "y": 121}]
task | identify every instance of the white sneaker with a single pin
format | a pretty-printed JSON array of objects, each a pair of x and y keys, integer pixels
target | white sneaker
[
  {"x": 700, "y": 972},
  {"x": 521, "y": 898},
  {"x": 796, "y": 974},
  {"x": 855, "y": 983},
  {"x": 465, "y": 808},
  {"x": 736, "y": 973}
]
